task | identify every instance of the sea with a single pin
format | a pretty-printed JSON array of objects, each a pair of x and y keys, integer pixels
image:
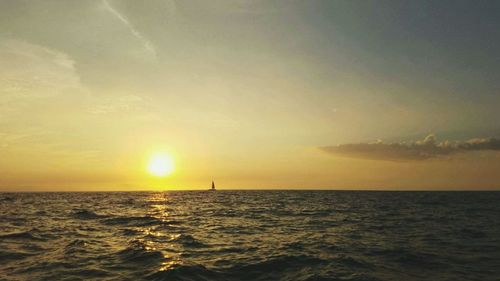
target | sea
[{"x": 250, "y": 235}]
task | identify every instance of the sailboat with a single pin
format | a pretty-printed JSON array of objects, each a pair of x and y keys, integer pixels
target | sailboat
[{"x": 213, "y": 186}]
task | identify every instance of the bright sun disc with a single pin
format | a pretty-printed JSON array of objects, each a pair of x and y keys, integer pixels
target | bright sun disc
[{"x": 161, "y": 165}]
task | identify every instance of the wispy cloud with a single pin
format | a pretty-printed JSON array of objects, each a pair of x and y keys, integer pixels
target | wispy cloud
[
  {"x": 125, "y": 103},
  {"x": 30, "y": 70},
  {"x": 145, "y": 42},
  {"x": 417, "y": 150}
]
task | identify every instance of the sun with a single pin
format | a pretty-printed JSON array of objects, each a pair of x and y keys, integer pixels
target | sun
[{"x": 161, "y": 165}]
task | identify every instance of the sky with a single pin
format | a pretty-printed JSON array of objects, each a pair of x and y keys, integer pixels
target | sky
[{"x": 252, "y": 94}]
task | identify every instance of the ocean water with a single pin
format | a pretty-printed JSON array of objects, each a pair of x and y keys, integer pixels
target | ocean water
[{"x": 250, "y": 235}]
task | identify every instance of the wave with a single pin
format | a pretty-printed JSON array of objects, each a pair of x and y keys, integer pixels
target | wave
[
  {"x": 279, "y": 263},
  {"x": 25, "y": 235},
  {"x": 46, "y": 266},
  {"x": 351, "y": 262},
  {"x": 6, "y": 256},
  {"x": 472, "y": 233},
  {"x": 90, "y": 273},
  {"x": 7, "y": 199},
  {"x": 236, "y": 250},
  {"x": 137, "y": 252},
  {"x": 84, "y": 214},
  {"x": 76, "y": 245},
  {"x": 189, "y": 241},
  {"x": 131, "y": 232},
  {"x": 132, "y": 221},
  {"x": 408, "y": 257},
  {"x": 185, "y": 273},
  {"x": 128, "y": 201},
  {"x": 300, "y": 267}
]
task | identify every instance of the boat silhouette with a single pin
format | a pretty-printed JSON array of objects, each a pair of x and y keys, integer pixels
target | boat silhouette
[{"x": 213, "y": 187}]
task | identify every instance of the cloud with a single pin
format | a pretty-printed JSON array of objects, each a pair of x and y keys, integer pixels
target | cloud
[
  {"x": 407, "y": 151},
  {"x": 125, "y": 103},
  {"x": 34, "y": 70},
  {"x": 145, "y": 42}
]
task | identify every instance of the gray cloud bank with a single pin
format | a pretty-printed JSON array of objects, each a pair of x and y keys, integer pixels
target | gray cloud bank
[{"x": 418, "y": 150}]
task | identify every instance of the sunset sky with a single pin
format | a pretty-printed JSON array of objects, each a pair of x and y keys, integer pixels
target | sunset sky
[{"x": 253, "y": 94}]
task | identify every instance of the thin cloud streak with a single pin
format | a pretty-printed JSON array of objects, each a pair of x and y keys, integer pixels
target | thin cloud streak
[
  {"x": 145, "y": 42},
  {"x": 425, "y": 149}
]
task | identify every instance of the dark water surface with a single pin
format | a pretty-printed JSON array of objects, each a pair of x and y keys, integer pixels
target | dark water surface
[{"x": 250, "y": 235}]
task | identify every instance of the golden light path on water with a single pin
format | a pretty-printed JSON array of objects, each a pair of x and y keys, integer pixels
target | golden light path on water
[{"x": 159, "y": 210}]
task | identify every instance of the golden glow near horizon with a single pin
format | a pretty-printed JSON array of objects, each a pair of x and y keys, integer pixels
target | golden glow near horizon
[{"x": 161, "y": 165}]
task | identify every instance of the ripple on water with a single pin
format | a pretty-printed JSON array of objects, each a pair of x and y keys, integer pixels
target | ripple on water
[
  {"x": 24, "y": 235},
  {"x": 140, "y": 253},
  {"x": 185, "y": 273},
  {"x": 189, "y": 241},
  {"x": 75, "y": 246},
  {"x": 132, "y": 221},
  {"x": 86, "y": 214},
  {"x": 8, "y": 256}
]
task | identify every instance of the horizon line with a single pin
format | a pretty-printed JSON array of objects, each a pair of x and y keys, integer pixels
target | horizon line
[{"x": 250, "y": 189}]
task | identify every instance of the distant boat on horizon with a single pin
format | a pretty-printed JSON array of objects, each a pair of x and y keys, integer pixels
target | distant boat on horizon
[{"x": 213, "y": 187}]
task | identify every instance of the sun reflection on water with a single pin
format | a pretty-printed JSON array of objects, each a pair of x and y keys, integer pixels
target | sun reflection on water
[{"x": 158, "y": 208}]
